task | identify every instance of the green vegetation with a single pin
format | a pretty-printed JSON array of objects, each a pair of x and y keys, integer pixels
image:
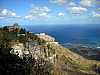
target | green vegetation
[{"x": 20, "y": 35}]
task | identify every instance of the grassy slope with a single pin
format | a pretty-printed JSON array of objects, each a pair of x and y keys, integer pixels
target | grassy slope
[{"x": 71, "y": 63}]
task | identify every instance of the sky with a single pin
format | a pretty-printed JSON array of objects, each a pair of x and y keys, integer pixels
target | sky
[{"x": 49, "y": 12}]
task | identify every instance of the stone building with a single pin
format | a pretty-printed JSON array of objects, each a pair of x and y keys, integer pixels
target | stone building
[{"x": 13, "y": 27}]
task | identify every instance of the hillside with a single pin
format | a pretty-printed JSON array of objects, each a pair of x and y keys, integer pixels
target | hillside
[
  {"x": 42, "y": 55},
  {"x": 66, "y": 62},
  {"x": 70, "y": 63}
]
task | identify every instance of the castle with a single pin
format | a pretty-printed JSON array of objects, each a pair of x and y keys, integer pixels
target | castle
[{"x": 13, "y": 27}]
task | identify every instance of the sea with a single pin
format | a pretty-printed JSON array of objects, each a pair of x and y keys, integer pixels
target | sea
[{"x": 77, "y": 34}]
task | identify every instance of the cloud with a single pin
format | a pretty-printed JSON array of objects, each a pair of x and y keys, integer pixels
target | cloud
[
  {"x": 37, "y": 12},
  {"x": 61, "y": 14},
  {"x": 94, "y": 14},
  {"x": 87, "y": 3},
  {"x": 77, "y": 10},
  {"x": 5, "y": 13},
  {"x": 66, "y": 3},
  {"x": 29, "y": 17},
  {"x": 97, "y": 10},
  {"x": 44, "y": 14},
  {"x": 58, "y": 1},
  {"x": 13, "y": 14},
  {"x": 72, "y": 4}
]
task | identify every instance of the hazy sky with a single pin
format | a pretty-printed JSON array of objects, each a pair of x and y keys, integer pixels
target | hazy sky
[{"x": 50, "y": 11}]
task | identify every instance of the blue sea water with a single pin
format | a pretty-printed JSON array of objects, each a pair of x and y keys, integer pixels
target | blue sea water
[{"x": 70, "y": 33}]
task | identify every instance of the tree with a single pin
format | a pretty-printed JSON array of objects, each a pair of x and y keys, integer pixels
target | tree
[
  {"x": 4, "y": 39},
  {"x": 5, "y": 28},
  {"x": 22, "y": 31}
]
